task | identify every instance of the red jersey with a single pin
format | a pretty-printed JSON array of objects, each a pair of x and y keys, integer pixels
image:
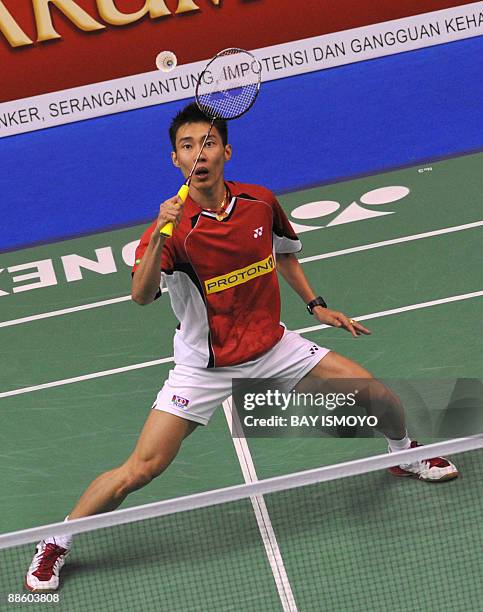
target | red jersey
[{"x": 222, "y": 280}]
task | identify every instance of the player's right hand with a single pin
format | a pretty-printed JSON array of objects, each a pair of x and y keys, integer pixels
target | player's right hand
[{"x": 170, "y": 211}]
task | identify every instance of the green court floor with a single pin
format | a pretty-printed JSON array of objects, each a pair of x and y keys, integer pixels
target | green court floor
[{"x": 58, "y": 434}]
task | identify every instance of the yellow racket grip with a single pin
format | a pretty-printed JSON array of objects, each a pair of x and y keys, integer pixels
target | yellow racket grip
[{"x": 167, "y": 230}]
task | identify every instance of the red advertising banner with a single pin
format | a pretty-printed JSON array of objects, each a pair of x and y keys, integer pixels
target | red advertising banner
[{"x": 52, "y": 45}]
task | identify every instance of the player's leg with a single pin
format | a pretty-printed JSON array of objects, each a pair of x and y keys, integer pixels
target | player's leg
[
  {"x": 157, "y": 446},
  {"x": 373, "y": 395},
  {"x": 381, "y": 402}
]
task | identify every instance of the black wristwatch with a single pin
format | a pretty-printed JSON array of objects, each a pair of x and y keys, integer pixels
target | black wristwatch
[{"x": 319, "y": 301}]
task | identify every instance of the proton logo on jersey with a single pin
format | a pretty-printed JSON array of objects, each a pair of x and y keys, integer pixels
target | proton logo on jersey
[
  {"x": 353, "y": 212},
  {"x": 237, "y": 277}
]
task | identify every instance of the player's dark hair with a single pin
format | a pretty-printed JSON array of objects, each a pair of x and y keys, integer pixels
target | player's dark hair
[{"x": 193, "y": 114}]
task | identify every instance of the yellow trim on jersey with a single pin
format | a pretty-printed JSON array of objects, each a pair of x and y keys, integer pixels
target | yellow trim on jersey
[{"x": 237, "y": 277}]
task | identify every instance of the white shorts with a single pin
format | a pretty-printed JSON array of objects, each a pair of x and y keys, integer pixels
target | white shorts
[{"x": 195, "y": 393}]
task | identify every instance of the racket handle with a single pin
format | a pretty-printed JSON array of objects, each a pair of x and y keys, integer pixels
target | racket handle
[{"x": 167, "y": 230}]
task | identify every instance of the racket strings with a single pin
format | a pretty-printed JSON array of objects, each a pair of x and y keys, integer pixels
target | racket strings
[
  {"x": 228, "y": 103},
  {"x": 229, "y": 85}
]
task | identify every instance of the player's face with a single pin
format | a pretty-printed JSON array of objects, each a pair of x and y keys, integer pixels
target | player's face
[{"x": 209, "y": 171}]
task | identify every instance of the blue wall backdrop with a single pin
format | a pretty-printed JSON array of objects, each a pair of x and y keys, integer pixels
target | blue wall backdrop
[{"x": 305, "y": 130}]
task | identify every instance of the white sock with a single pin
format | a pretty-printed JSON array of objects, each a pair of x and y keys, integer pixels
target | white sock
[
  {"x": 399, "y": 445},
  {"x": 64, "y": 540}
]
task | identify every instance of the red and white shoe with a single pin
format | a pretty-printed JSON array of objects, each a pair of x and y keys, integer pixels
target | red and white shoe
[
  {"x": 437, "y": 469},
  {"x": 43, "y": 573}
]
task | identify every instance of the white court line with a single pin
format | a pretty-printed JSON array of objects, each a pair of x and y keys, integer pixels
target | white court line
[
  {"x": 376, "y": 245},
  {"x": 364, "y": 247},
  {"x": 264, "y": 523},
  {"x": 69, "y": 381},
  {"x": 147, "y": 364},
  {"x": 58, "y": 313},
  {"x": 392, "y": 311}
]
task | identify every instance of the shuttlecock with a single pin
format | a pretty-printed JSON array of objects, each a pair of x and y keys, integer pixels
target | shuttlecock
[{"x": 166, "y": 61}]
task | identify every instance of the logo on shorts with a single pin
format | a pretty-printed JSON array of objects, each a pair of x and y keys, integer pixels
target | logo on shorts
[
  {"x": 180, "y": 402},
  {"x": 313, "y": 349}
]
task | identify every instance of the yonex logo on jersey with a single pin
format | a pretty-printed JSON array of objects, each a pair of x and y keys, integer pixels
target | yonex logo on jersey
[
  {"x": 237, "y": 277},
  {"x": 257, "y": 232},
  {"x": 180, "y": 402}
]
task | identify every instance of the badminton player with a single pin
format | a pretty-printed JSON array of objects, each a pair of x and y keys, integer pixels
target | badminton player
[{"x": 220, "y": 268}]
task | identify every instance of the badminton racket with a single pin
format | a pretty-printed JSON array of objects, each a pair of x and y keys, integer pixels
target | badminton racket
[{"x": 226, "y": 89}]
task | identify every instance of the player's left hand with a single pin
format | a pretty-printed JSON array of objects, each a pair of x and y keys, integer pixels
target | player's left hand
[{"x": 339, "y": 319}]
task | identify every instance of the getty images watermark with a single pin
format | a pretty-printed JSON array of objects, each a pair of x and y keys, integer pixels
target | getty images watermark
[
  {"x": 275, "y": 399},
  {"x": 354, "y": 408}
]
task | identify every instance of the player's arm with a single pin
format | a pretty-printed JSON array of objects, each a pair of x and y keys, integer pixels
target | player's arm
[
  {"x": 289, "y": 267},
  {"x": 147, "y": 277}
]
